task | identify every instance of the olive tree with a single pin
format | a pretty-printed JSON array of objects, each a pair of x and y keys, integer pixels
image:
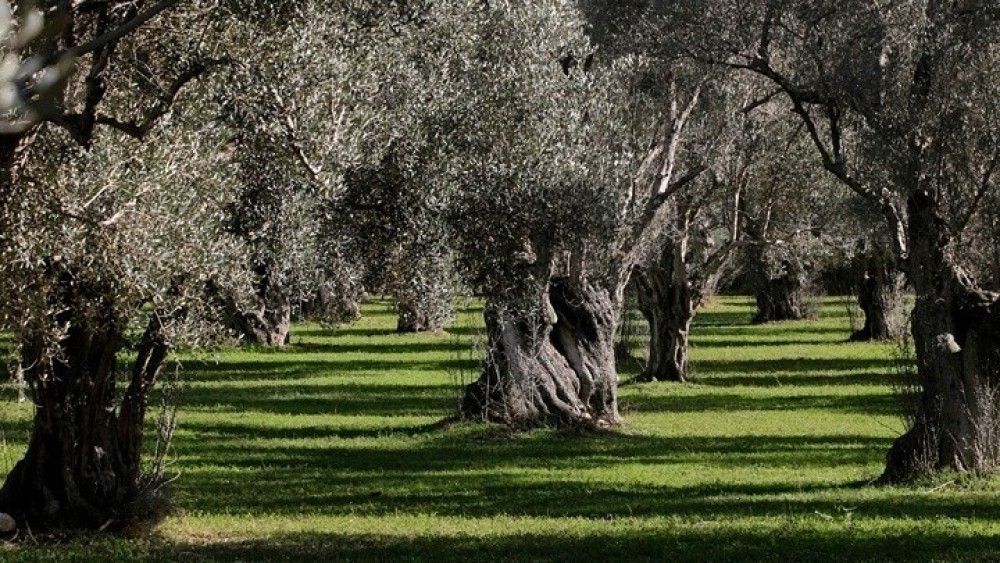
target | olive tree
[
  {"x": 900, "y": 102},
  {"x": 700, "y": 230},
  {"x": 120, "y": 234},
  {"x": 399, "y": 237},
  {"x": 555, "y": 167},
  {"x": 278, "y": 215},
  {"x": 300, "y": 118},
  {"x": 783, "y": 212}
]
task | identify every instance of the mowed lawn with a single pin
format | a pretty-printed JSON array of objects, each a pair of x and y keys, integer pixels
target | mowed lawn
[{"x": 332, "y": 449}]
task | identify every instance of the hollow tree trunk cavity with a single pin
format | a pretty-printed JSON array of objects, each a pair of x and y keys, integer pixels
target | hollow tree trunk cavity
[
  {"x": 553, "y": 366},
  {"x": 956, "y": 333}
]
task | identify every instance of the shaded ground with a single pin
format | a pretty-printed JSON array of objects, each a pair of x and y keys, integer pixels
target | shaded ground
[{"x": 332, "y": 450}]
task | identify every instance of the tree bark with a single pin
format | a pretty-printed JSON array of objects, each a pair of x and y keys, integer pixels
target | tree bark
[
  {"x": 784, "y": 298},
  {"x": 413, "y": 317},
  {"x": 82, "y": 467},
  {"x": 880, "y": 297},
  {"x": 956, "y": 332},
  {"x": 412, "y": 322},
  {"x": 669, "y": 307},
  {"x": 553, "y": 366},
  {"x": 269, "y": 325}
]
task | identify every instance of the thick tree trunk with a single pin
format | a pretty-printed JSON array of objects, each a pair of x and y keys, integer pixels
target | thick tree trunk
[
  {"x": 956, "y": 331},
  {"x": 880, "y": 296},
  {"x": 784, "y": 298},
  {"x": 669, "y": 307},
  {"x": 270, "y": 325},
  {"x": 82, "y": 467},
  {"x": 554, "y": 366},
  {"x": 413, "y": 317}
]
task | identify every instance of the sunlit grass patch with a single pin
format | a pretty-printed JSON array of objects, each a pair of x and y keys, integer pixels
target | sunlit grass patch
[{"x": 334, "y": 449}]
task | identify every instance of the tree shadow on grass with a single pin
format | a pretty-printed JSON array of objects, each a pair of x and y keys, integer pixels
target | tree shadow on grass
[
  {"x": 443, "y": 345},
  {"x": 476, "y": 476},
  {"x": 451, "y": 452},
  {"x": 333, "y": 399},
  {"x": 801, "y": 367},
  {"x": 244, "y": 370},
  {"x": 661, "y": 542},
  {"x": 770, "y": 332},
  {"x": 697, "y": 343},
  {"x": 880, "y": 404},
  {"x": 481, "y": 479},
  {"x": 770, "y": 380},
  {"x": 723, "y": 318},
  {"x": 227, "y": 432},
  {"x": 358, "y": 331}
]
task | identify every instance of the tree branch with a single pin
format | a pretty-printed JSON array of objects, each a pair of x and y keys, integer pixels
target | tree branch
[{"x": 141, "y": 126}]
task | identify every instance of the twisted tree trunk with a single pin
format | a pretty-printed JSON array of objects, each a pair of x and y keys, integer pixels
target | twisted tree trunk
[
  {"x": 669, "y": 306},
  {"x": 956, "y": 332},
  {"x": 268, "y": 325},
  {"x": 82, "y": 467},
  {"x": 552, "y": 366},
  {"x": 412, "y": 321},
  {"x": 880, "y": 296},
  {"x": 784, "y": 298},
  {"x": 416, "y": 314}
]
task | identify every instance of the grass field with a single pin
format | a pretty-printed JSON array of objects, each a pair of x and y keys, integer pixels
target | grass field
[{"x": 332, "y": 450}]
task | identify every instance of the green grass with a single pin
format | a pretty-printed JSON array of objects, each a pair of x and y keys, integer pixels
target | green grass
[{"x": 332, "y": 450}]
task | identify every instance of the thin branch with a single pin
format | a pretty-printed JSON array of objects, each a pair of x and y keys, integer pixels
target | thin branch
[
  {"x": 291, "y": 134},
  {"x": 984, "y": 186},
  {"x": 115, "y": 34},
  {"x": 762, "y": 101},
  {"x": 141, "y": 126}
]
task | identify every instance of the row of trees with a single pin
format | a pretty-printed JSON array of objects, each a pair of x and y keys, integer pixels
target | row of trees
[{"x": 174, "y": 173}]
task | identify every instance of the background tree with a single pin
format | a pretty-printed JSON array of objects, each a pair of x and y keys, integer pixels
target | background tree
[
  {"x": 400, "y": 237},
  {"x": 878, "y": 282},
  {"x": 298, "y": 124},
  {"x": 701, "y": 230},
  {"x": 783, "y": 212},
  {"x": 278, "y": 215},
  {"x": 900, "y": 103}
]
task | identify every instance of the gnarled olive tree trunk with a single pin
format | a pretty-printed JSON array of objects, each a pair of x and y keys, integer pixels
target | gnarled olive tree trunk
[
  {"x": 268, "y": 325},
  {"x": 956, "y": 332},
  {"x": 552, "y": 366},
  {"x": 782, "y": 298},
  {"x": 880, "y": 297},
  {"x": 422, "y": 313},
  {"x": 412, "y": 320},
  {"x": 669, "y": 305},
  {"x": 82, "y": 467}
]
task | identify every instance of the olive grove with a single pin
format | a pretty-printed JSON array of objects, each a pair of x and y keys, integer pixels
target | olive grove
[
  {"x": 115, "y": 203},
  {"x": 176, "y": 172},
  {"x": 900, "y": 103}
]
